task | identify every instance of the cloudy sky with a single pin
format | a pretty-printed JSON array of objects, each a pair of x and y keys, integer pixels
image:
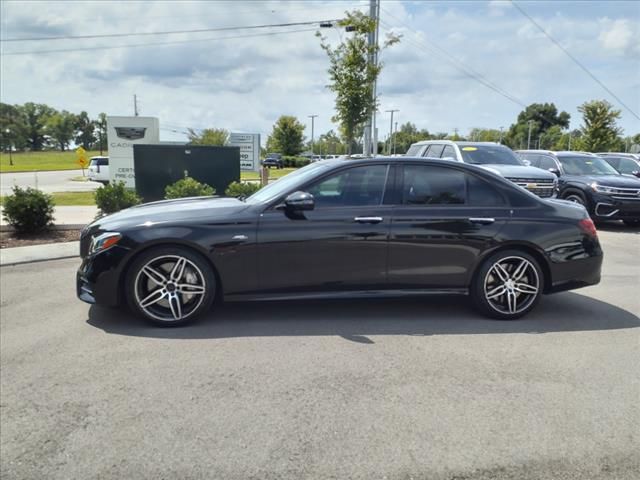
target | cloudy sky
[{"x": 242, "y": 80}]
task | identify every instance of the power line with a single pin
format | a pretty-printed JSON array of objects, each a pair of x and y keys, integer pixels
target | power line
[
  {"x": 135, "y": 45},
  {"x": 168, "y": 32},
  {"x": 575, "y": 60}
]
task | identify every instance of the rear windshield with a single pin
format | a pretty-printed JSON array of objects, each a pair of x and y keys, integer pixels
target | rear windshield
[
  {"x": 414, "y": 150},
  {"x": 99, "y": 161},
  {"x": 488, "y": 154},
  {"x": 586, "y": 166}
]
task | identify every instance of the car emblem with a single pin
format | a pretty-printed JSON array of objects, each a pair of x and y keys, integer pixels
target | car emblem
[
  {"x": 532, "y": 185},
  {"x": 131, "y": 133}
]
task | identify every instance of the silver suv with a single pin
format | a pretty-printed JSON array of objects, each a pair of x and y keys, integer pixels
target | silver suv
[{"x": 492, "y": 156}]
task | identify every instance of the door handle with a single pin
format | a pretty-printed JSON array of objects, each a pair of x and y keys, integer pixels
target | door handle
[
  {"x": 482, "y": 220},
  {"x": 368, "y": 219}
]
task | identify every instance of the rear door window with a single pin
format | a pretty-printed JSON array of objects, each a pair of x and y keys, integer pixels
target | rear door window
[{"x": 431, "y": 185}]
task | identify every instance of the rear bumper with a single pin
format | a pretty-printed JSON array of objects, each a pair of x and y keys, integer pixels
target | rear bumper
[{"x": 575, "y": 274}]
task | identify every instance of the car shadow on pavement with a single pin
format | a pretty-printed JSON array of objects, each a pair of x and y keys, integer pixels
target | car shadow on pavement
[{"x": 356, "y": 320}]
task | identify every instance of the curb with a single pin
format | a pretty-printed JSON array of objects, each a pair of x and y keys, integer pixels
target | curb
[
  {"x": 70, "y": 226},
  {"x": 37, "y": 260}
]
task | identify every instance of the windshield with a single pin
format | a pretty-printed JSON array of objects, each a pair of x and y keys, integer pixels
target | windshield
[
  {"x": 586, "y": 166},
  {"x": 414, "y": 150},
  {"x": 488, "y": 154},
  {"x": 279, "y": 187}
]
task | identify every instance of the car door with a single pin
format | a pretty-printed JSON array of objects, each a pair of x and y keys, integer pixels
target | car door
[
  {"x": 339, "y": 245},
  {"x": 443, "y": 219}
]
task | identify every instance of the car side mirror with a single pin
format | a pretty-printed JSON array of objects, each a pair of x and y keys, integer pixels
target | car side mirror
[
  {"x": 299, "y": 201},
  {"x": 555, "y": 171},
  {"x": 636, "y": 173},
  {"x": 526, "y": 162}
]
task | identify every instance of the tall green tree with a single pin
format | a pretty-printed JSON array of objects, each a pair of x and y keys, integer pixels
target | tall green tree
[
  {"x": 61, "y": 127},
  {"x": 287, "y": 136},
  {"x": 330, "y": 144},
  {"x": 485, "y": 135},
  {"x": 208, "y": 136},
  {"x": 12, "y": 127},
  {"x": 35, "y": 117},
  {"x": 541, "y": 117},
  {"x": 407, "y": 134},
  {"x": 600, "y": 132},
  {"x": 85, "y": 131},
  {"x": 351, "y": 75}
]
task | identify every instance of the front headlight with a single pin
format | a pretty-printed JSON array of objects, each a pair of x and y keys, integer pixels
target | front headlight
[
  {"x": 103, "y": 241},
  {"x": 603, "y": 189}
]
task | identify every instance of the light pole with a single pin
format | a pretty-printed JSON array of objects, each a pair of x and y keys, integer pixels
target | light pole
[
  {"x": 395, "y": 136},
  {"x": 312, "y": 117},
  {"x": 500, "y": 141},
  {"x": 391, "y": 127},
  {"x": 529, "y": 137},
  {"x": 8, "y": 132}
]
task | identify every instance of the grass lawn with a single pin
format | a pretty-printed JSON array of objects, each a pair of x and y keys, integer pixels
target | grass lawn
[
  {"x": 38, "y": 161},
  {"x": 63, "y": 199},
  {"x": 273, "y": 173}
]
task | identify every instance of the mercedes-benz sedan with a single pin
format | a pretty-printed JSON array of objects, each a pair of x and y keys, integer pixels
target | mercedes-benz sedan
[{"x": 337, "y": 228}]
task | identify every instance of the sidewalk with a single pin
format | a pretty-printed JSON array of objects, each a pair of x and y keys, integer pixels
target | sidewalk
[
  {"x": 38, "y": 253},
  {"x": 67, "y": 217}
]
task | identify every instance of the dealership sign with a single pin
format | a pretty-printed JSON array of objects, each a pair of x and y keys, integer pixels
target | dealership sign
[
  {"x": 122, "y": 134},
  {"x": 249, "y": 144}
]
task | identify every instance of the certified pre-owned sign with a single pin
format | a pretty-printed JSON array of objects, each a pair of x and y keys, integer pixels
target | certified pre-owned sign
[{"x": 249, "y": 144}]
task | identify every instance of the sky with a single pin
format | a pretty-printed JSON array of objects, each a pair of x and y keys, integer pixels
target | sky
[{"x": 243, "y": 80}]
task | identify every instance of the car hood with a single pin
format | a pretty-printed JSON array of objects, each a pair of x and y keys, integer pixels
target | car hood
[
  {"x": 621, "y": 181},
  {"x": 519, "y": 171},
  {"x": 210, "y": 209}
]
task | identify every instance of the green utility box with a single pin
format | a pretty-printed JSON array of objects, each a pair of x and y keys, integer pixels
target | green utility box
[{"x": 157, "y": 166}]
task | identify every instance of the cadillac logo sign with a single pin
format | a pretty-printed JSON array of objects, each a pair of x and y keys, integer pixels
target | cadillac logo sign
[{"x": 130, "y": 133}]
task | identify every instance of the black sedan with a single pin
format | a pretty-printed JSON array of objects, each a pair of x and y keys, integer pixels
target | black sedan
[{"x": 344, "y": 228}]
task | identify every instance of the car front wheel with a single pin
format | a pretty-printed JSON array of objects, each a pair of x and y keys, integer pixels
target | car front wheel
[
  {"x": 170, "y": 286},
  {"x": 508, "y": 285}
]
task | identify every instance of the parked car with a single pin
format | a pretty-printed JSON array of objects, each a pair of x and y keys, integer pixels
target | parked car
[
  {"x": 493, "y": 156},
  {"x": 273, "y": 160},
  {"x": 589, "y": 180},
  {"x": 340, "y": 228},
  {"x": 626, "y": 165},
  {"x": 98, "y": 170}
]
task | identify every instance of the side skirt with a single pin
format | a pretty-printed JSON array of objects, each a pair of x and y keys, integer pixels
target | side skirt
[{"x": 345, "y": 294}]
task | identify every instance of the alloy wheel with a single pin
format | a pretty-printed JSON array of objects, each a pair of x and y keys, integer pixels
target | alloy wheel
[
  {"x": 169, "y": 288},
  {"x": 511, "y": 285}
]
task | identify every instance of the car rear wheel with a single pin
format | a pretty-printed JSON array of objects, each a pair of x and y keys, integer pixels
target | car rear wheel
[
  {"x": 170, "y": 286},
  {"x": 508, "y": 285}
]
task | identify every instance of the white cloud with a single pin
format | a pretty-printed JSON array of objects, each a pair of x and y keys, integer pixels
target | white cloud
[{"x": 617, "y": 35}]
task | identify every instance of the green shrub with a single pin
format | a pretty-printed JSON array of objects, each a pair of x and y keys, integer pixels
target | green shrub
[
  {"x": 188, "y": 187},
  {"x": 301, "y": 162},
  {"x": 241, "y": 189},
  {"x": 28, "y": 210},
  {"x": 114, "y": 197}
]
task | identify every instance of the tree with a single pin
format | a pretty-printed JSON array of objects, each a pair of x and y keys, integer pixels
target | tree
[
  {"x": 351, "y": 75},
  {"x": 407, "y": 134},
  {"x": 12, "y": 127},
  {"x": 542, "y": 117},
  {"x": 600, "y": 131},
  {"x": 287, "y": 136},
  {"x": 61, "y": 127},
  {"x": 485, "y": 135},
  {"x": 330, "y": 144},
  {"x": 35, "y": 117},
  {"x": 208, "y": 136},
  {"x": 85, "y": 131},
  {"x": 101, "y": 128}
]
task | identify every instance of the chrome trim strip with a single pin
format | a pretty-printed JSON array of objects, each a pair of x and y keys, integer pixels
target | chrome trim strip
[{"x": 605, "y": 205}]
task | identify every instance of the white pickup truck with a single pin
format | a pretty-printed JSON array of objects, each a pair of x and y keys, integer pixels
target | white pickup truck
[{"x": 99, "y": 170}]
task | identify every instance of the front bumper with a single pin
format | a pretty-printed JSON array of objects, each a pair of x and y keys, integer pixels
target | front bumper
[
  {"x": 98, "y": 278},
  {"x": 607, "y": 207}
]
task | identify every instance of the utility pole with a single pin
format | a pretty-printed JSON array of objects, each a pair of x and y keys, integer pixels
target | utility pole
[
  {"x": 500, "y": 135},
  {"x": 10, "y": 138},
  {"x": 529, "y": 137},
  {"x": 372, "y": 43},
  {"x": 570, "y": 140},
  {"x": 135, "y": 104},
  {"x": 312, "y": 117},
  {"x": 395, "y": 136},
  {"x": 391, "y": 127}
]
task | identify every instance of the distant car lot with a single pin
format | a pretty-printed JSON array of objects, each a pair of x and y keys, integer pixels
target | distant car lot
[{"x": 400, "y": 388}]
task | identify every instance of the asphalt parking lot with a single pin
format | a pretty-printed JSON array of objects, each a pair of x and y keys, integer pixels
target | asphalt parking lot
[{"x": 406, "y": 389}]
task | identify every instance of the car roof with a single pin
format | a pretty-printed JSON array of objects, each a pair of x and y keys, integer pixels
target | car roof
[{"x": 455, "y": 142}]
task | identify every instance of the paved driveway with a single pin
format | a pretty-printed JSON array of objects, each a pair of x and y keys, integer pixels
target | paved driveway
[
  {"x": 48, "y": 182},
  {"x": 398, "y": 389}
]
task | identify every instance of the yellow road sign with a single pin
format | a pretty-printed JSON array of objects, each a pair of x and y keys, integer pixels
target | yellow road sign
[{"x": 81, "y": 157}]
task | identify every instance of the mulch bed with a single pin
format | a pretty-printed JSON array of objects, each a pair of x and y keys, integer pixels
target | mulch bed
[{"x": 11, "y": 239}]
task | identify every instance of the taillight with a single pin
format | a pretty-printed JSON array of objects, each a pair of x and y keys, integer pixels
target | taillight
[{"x": 588, "y": 227}]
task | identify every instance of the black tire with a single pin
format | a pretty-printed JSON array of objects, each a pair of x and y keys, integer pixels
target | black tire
[
  {"x": 185, "y": 288},
  {"x": 632, "y": 223},
  {"x": 576, "y": 197},
  {"x": 486, "y": 281}
]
